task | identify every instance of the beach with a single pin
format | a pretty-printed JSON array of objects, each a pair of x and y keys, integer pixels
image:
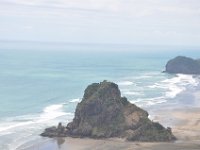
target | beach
[
  {"x": 99, "y": 75},
  {"x": 47, "y": 91},
  {"x": 184, "y": 121}
]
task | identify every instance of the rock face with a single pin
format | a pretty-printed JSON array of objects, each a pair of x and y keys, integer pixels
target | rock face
[
  {"x": 103, "y": 113},
  {"x": 183, "y": 65}
]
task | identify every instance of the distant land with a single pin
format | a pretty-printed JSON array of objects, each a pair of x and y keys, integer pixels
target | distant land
[{"x": 184, "y": 65}]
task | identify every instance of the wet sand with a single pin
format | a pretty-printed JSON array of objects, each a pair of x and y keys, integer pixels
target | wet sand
[
  {"x": 186, "y": 127},
  {"x": 184, "y": 121},
  {"x": 119, "y": 144},
  {"x": 185, "y": 124}
]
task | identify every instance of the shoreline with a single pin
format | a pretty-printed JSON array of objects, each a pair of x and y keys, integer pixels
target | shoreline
[
  {"x": 184, "y": 121},
  {"x": 185, "y": 128}
]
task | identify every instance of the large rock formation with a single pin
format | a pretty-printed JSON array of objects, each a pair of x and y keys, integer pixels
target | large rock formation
[
  {"x": 103, "y": 113},
  {"x": 183, "y": 65}
]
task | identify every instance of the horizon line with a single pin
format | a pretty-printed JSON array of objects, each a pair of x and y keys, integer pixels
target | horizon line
[{"x": 93, "y": 44}]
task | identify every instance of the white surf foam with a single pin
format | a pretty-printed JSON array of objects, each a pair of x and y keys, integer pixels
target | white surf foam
[
  {"x": 20, "y": 127},
  {"x": 183, "y": 80},
  {"x": 143, "y": 77},
  {"x": 51, "y": 112},
  {"x": 176, "y": 85},
  {"x": 149, "y": 101},
  {"x": 174, "y": 91},
  {"x": 77, "y": 100},
  {"x": 5, "y": 127},
  {"x": 132, "y": 93},
  {"x": 125, "y": 83}
]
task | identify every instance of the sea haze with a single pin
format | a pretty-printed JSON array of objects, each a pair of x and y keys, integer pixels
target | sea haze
[{"x": 40, "y": 88}]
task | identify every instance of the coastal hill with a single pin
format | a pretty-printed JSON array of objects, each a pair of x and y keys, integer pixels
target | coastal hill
[
  {"x": 103, "y": 113},
  {"x": 184, "y": 65}
]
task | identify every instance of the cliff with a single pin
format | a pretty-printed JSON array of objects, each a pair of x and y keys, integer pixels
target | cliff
[{"x": 103, "y": 113}]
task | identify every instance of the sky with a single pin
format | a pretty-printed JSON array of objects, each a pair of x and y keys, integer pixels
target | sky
[{"x": 140, "y": 22}]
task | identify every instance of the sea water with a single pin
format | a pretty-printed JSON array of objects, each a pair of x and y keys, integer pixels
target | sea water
[{"x": 40, "y": 88}]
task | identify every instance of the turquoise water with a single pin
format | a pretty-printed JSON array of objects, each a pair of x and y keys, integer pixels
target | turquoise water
[{"x": 41, "y": 88}]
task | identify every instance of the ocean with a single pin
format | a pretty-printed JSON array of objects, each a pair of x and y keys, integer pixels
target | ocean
[{"x": 39, "y": 88}]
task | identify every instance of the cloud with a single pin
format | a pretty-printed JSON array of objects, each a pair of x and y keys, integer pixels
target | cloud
[
  {"x": 130, "y": 8},
  {"x": 144, "y": 21},
  {"x": 28, "y": 27}
]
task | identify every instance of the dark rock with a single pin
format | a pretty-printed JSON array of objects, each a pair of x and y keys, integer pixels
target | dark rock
[
  {"x": 183, "y": 65},
  {"x": 103, "y": 113},
  {"x": 59, "y": 131}
]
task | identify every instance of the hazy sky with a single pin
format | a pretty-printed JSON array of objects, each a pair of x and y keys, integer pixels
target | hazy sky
[{"x": 155, "y": 22}]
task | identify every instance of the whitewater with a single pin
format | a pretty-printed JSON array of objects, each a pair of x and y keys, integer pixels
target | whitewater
[{"x": 40, "y": 89}]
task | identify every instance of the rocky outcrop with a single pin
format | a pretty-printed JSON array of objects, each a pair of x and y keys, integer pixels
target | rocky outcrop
[
  {"x": 59, "y": 131},
  {"x": 103, "y": 113},
  {"x": 183, "y": 65}
]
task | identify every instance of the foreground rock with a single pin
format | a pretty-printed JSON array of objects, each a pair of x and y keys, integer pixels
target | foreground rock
[
  {"x": 183, "y": 65},
  {"x": 103, "y": 113}
]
